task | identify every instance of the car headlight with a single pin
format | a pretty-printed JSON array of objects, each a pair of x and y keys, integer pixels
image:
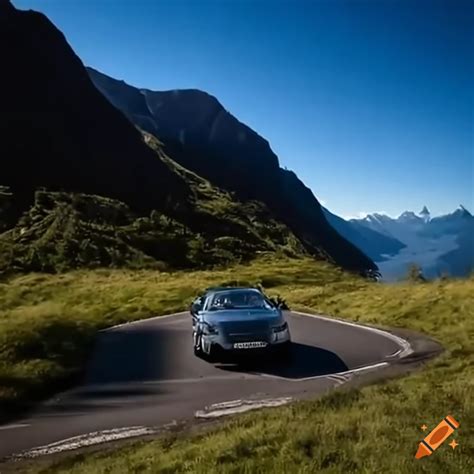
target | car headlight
[
  {"x": 209, "y": 329},
  {"x": 281, "y": 328}
]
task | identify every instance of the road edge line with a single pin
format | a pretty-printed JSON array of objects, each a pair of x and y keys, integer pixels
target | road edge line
[
  {"x": 137, "y": 321},
  {"x": 406, "y": 348}
]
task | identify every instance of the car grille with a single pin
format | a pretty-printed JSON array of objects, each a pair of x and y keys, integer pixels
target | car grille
[
  {"x": 246, "y": 332},
  {"x": 247, "y": 337}
]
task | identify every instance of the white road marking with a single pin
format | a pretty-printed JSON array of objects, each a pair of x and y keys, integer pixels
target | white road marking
[
  {"x": 405, "y": 346},
  {"x": 138, "y": 321},
  {"x": 338, "y": 376},
  {"x": 96, "y": 437},
  {"x": 365, "y": 368},
  {"x": 14, "y": 426},
  {"x": 240, "y": 406}
]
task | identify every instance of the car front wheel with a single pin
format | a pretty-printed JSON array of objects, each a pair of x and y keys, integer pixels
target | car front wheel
[{"x": 198, "y": 351}]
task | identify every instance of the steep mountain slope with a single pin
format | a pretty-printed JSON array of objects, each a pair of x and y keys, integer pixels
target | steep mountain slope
[
  {"x": 58, "y": 131},
  {"x": 374, "y": 244},
  {"x": 202, "y": 136}
]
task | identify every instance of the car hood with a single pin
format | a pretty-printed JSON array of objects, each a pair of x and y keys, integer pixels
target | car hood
[{"x": 244, "y": 316}]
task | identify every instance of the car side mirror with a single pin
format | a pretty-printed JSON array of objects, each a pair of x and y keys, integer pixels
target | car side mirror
[
  {"x": 280, "y": 303},
  {"x": 195, "y": 308}
]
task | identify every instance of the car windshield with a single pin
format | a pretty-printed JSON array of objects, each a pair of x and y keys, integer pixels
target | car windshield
[{"x": 238, "y": 299}]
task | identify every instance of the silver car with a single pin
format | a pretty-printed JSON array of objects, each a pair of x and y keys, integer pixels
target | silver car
[{"x": 237, "y": 320}]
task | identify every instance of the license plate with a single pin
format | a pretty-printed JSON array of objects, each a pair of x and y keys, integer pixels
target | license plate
[{"x": 250, "y": 345}]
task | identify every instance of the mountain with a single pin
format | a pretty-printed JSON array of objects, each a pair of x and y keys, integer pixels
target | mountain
[
  {"x": 440, "y": 245},
  {"x": 402, "y": 228},
  {"x": 375, "y": 245},
  {"x": 200, "y": 134},
  {"x": 78, "y": 177},
  {"x": 425, "y": 214},
  {"x": 77, "y": 149},
  {"x": 376, "y": 222},
  {"x": 409, "y": 217},
  {"x": 204, "y": 137},
  {"x": 460, "y": 261},
  {"x": 460, "y": 224},
  {"x": 453, "y": 223}
]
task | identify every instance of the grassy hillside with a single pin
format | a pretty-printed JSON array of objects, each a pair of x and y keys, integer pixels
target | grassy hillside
[
  {"x": 342, "y": 432},
  {"x": 62, "y": 231}
]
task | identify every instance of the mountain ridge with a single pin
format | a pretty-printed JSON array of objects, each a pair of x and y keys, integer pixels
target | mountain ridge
[
  {"x": 459, "y": 209},
  {"x": 202, "y": 136}
]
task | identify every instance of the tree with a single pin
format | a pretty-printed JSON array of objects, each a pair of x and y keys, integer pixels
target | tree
[{"x": 415, "y": 273}]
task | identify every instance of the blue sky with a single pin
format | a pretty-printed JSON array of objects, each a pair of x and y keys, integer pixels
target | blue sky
[{"x": 369, "y": 102}]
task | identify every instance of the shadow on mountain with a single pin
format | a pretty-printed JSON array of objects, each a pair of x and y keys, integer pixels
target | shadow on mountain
[{"x": 302, "y": 361}]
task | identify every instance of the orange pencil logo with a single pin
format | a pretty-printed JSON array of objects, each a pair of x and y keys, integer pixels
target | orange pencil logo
[{"x": 437, "y": 437}]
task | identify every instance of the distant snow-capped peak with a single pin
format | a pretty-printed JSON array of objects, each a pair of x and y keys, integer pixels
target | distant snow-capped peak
[
  {"x": 408, "y": 216},
  {"x": 375, "y": 217},
  {"x": 425, "y": 214},
  {"x": 462, "y": 211}
]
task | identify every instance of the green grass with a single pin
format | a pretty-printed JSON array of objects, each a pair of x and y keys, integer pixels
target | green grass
[{"x": 373, "y": 429}]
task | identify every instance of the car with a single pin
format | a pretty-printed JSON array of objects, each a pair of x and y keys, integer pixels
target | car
[{"x": 237, "y": 320}]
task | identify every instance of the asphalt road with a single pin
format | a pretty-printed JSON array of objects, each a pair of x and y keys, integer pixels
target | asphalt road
[{"x": 145, "y": 375}]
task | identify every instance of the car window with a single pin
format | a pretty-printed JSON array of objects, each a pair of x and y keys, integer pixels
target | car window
[{"x": 238, "y": 299}]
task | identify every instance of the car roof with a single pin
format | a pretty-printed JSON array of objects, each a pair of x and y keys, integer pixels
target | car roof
[
  {"x": 229, "y": 288},
  {"x": 225, "y": 289}
]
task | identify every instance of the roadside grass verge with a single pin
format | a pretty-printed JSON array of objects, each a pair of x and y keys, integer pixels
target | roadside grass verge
[{"x": 372, "y": 429}]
